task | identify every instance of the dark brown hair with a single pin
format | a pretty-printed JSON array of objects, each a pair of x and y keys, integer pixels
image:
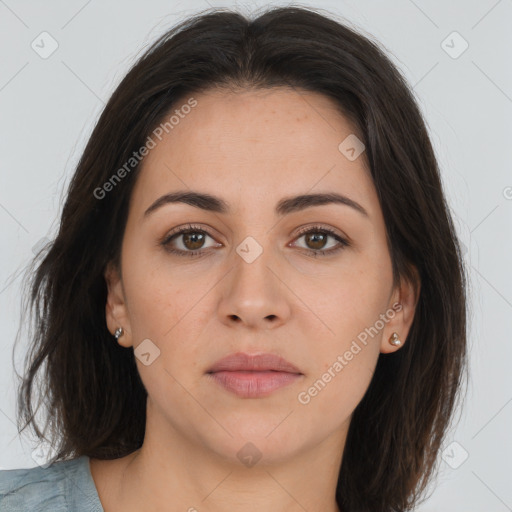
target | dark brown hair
[{"x": 89, "y": 386}]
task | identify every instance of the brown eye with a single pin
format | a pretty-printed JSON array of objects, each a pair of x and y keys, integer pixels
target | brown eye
[
  {"x": 316, "y": 240},
  {"x": 188, "y": 241},
  {"x": 193, "y": 241}
]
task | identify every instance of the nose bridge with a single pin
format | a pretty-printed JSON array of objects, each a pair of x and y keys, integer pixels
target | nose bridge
[
  {"x": 252, "y": 277},
  {"x": 252, "y": 292}
]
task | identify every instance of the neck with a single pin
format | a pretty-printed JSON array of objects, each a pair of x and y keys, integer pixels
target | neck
[{"x": 172, "y": 471}]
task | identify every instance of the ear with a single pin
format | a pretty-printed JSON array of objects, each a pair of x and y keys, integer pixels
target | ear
[
  {"x": 403, "y": 301},
  {"x": 116, "y": 311}
]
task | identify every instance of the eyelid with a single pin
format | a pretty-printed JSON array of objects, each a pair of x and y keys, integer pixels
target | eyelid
[
  {"x": 320, "y": 227},
  {"x": 181, "y": 230},
  {"x": 342, "y": 240}
]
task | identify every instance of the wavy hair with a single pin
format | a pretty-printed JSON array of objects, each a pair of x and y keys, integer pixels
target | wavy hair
[{"x": 88, "y": 387}]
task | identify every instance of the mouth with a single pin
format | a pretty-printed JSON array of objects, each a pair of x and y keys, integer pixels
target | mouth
[{"x": 253, "y": 376}]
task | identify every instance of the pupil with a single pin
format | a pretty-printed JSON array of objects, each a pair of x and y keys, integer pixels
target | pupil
[
  {"x": 315, "y": 238},
  {"x": 195, "y": 239}
]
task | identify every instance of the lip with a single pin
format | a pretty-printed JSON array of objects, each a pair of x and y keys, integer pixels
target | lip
[
  {"x": 253, "y": 362},
  {"x": 253, "y": 376}
]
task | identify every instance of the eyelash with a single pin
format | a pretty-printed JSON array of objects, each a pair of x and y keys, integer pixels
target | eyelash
[{"x": 190, "y": 228}]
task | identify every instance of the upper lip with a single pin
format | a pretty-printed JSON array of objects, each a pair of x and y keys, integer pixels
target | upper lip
[{"x": 257, "y": 362}]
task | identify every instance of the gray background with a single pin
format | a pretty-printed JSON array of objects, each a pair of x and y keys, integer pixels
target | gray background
[{"x": 48, "y": 107}]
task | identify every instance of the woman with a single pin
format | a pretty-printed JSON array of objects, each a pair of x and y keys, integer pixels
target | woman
[{"x": 256, "y": 296}]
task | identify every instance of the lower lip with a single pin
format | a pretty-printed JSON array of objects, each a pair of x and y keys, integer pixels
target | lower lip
[{"x": 254, "y": 384}]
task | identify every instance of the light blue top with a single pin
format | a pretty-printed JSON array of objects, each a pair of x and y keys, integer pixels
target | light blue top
[{"x": 64, "y": 486}]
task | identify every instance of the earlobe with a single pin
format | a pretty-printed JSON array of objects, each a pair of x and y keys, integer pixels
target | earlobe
[
  {"x": 404, "y": 306},
  {"x": 116, "y": 313}
]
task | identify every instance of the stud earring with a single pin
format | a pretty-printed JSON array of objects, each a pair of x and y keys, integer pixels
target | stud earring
[
  {"x": 394, "y": 340},
  {"x": 118, "y": 333}
]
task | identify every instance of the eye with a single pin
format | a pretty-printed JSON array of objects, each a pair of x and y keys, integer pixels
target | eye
[
  {"x": 189, "y": 240},
  {"x": 315, "y": 238}
]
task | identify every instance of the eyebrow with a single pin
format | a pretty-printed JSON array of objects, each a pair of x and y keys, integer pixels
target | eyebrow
[{"x": 285, "y": 206}]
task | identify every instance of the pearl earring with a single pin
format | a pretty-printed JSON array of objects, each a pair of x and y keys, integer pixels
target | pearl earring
[{"x": 394, "y": 340}]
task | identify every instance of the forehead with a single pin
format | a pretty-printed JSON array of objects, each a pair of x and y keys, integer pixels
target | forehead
[{"x": 254, "y": 144}]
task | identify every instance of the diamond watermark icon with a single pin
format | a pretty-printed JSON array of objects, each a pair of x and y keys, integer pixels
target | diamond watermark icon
[
  {"x": 454, "y": 455},
  {"x": 454, "y": 45},
  {"x": 44, "y": 45},
  {"x": 147, "y": 352},
  {"x": 351, "y": 147},
  {"x": 249, "y": 455},
  {"x": 43, "y": 454},
  {"x": 39, "y": 245},
  {"x": 249, "y": 249}
]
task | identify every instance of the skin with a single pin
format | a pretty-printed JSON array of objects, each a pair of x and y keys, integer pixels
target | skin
[{"x": 251, "y": 148}]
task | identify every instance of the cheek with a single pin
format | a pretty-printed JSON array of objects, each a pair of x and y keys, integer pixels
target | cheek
[
  {"x": 348, "y": 306},
  {"x": 334, "y": 394},
  {"x": 348, "y": 297},
  {"x": 339, "y": 377},
  {"x": 162, "y": 308},
  {"x": 158, "y": 295},
  {"x": 169, "y": 307}
]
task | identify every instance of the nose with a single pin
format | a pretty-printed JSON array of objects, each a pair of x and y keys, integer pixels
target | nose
[{"x": 254, "y": 294}]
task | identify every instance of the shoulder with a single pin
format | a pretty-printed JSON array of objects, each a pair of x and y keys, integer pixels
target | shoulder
[{"x": 59, "y": 487}]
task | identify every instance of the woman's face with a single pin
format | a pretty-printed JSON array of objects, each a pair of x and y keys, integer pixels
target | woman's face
[{"x": 248, "y": 280}]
